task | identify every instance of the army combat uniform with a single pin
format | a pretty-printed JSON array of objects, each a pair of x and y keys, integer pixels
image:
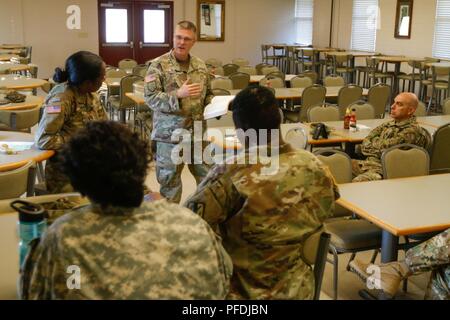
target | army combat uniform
[
  {"x": 157, "y": 251},
  {"x": 165, "y": 76},
  {"x": 383, "y": 137},
  {"x": 264, "y": 219},
  {"x": 433, "y": 255},
  {"x": 65, "y": 111}
]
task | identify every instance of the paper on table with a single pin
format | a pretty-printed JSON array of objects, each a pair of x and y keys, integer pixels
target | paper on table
[
  {"x": 218, "y": 107},
  {"x": 362, "y": 127}
]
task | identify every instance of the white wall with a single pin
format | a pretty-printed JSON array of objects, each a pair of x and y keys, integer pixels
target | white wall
[
  {"x": 420, "y": 44},
  {"x": 42, "y": 24}
]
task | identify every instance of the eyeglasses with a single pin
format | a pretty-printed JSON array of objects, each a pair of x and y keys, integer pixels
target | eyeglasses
[{"x": 186, "y": 39}]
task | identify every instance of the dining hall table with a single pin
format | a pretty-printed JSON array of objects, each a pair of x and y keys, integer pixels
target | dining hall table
[
  {"x": 29, "y": 103},
  {"x": 19, "y": 82}
]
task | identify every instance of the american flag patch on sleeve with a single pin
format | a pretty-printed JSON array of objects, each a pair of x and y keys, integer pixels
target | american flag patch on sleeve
[
  {"x": 150, "y": 78},
  {"x": 53, "y": 109}
]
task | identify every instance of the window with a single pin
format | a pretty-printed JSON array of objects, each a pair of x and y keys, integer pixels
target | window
[
  {"x": 154, "y": 26},
  {"x": 364, "y": 25},
  {"x": 304, "y": 10},
  {"x": 116, "y": 25},
  {"x": 441, "y": 43}
]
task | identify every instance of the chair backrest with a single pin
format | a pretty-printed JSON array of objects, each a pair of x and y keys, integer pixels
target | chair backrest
[
  {"x": 220, "y": 92},
  {"x": 126, "y": 85},
  {"x": 115, "y": 73},
  {"x": 214, "y": 62},
  {"x": 18, "y": 181},
  {"x": 334, "y": 81},
  {"x": 240, "y": 62},
  {"x": 222, "y": 83},
  {"x": 405, "y": 160},
  {"x": 314, "y": 252},
  {"x": 312, "y": 75},
  {"x": 446, "y": 106},
  {"x": 230, "y": 68},
  {"x": 440, "y": 150},
  {"x": 421, "y": 110},
  {"x": 20, "y": 119},
  {"x": 240, "y": 80},
  {"x": 312, "y": 96},
  {"x": 269, "y": 69},
  {"x": 273, "y": 82},
  {"x": 217, "y": 71},
  {"x": 127, "y": 64},
  {"x": 297, "y": 138},
  {"x": 379, "y": 96},
  {"x": 276, "y": 74},
  {"x": 140, "y": 70},
  {"x": 260, "y": 66},
  {"x": 301, "y": 82},
  {"x": 339, "y": 163},
  {"x": 363, "y": 110},
  {"x": 248, "y": 70},
  {"x": 347, "y": 95},
  {"x": 323, "y": 113}
]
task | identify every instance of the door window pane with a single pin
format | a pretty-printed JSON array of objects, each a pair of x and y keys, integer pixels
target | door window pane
[
  {"x": 154, "y": 26},
  {"x": 116, "y": 25}
]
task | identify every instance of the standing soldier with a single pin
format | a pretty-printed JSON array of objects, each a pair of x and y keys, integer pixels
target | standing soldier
[
  {"x": 177, "y": 88},
  {"x": 67, "y": 108}
]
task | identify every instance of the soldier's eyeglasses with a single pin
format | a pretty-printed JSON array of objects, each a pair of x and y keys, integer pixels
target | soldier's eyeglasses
[{"x": 186, "y": 39}]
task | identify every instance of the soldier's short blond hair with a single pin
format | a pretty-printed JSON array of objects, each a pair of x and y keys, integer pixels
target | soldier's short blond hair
[{"x": 187, "y": 25}]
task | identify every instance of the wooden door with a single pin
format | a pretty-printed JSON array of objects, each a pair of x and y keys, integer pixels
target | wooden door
[
  {"x": 115, "y": 31},
  {"x": 154, "y": 29},
  {"x": 139, "y": 30}
]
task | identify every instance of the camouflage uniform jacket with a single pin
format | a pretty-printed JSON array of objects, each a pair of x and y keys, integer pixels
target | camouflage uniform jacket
[
  {"x": 66, "y": 111},
  {"x": 387, "y": 135},
  {"x": 264, "y": 219},
  {"x": 164, "y": 77},
  {"x": 433, "y": 255},
  {"x": 157, "y": 251}
]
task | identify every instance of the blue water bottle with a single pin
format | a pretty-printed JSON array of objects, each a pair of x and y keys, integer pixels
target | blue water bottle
[{"x": 32, "y": 224}]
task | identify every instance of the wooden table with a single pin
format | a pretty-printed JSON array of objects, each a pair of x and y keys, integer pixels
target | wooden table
[
  {"x": 18, "y": 82},
  {"x": 445, "y": 64},
  {"x": 10, "y": 51},
  {"x": 13, "y": 67},
  {"x": 12, "y": 46},
  {"x": 400, "y": 207},
  {"x": 434, "y": 121},
  {"x": 219, "y": 136},
  {"x": 29, "y": 103},
  {"x": 258, "y": 78},
  {"x": 296, "y": 93},
  {"x": 7, "y": 57},
  {"x": 14, "y": 161}
]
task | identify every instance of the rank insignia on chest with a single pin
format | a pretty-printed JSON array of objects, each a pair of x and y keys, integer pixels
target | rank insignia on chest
[{"x": 53, "y": 109}]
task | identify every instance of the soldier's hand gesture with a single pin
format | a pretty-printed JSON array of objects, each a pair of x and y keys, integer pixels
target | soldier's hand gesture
[{"x": 189, "y": 90}]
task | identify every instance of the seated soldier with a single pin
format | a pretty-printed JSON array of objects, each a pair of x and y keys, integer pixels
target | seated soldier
[
  {"x": 431, "y": 255},
  {"x": 121, "y": 247},
  {"x": 264, "y": 214},
  {"x": 403, "y": 128}
]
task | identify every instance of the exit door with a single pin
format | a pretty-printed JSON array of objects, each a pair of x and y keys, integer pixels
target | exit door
[{"x": 140, "y": 30}]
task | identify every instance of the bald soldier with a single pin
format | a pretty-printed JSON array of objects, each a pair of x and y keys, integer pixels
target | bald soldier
[
  {"x": 177, "y": 88},
  {"x": 263, "y": 215},
  {"x": 403, "y": 128}
]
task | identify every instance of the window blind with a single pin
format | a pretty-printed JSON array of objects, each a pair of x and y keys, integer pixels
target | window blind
[
  {"x": 441, "y": 43},
  {"x": 364, "y": 25},
  {"x": 304, "y": 12}
]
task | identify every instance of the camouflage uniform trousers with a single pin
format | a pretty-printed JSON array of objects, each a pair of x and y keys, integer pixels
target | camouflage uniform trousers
[
  {"x": 366, "y": 170},
  {"x": 168, "y": 173},
  {"x": 433, "y": 255}
]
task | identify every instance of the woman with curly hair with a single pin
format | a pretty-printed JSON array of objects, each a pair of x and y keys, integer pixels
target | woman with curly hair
[{"x": 120, "y": 247}]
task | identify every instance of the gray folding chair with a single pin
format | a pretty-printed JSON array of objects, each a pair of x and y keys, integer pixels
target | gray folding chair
[
  {"x": 379, "y": 96},
  {"x": 440, "y": 150}
]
